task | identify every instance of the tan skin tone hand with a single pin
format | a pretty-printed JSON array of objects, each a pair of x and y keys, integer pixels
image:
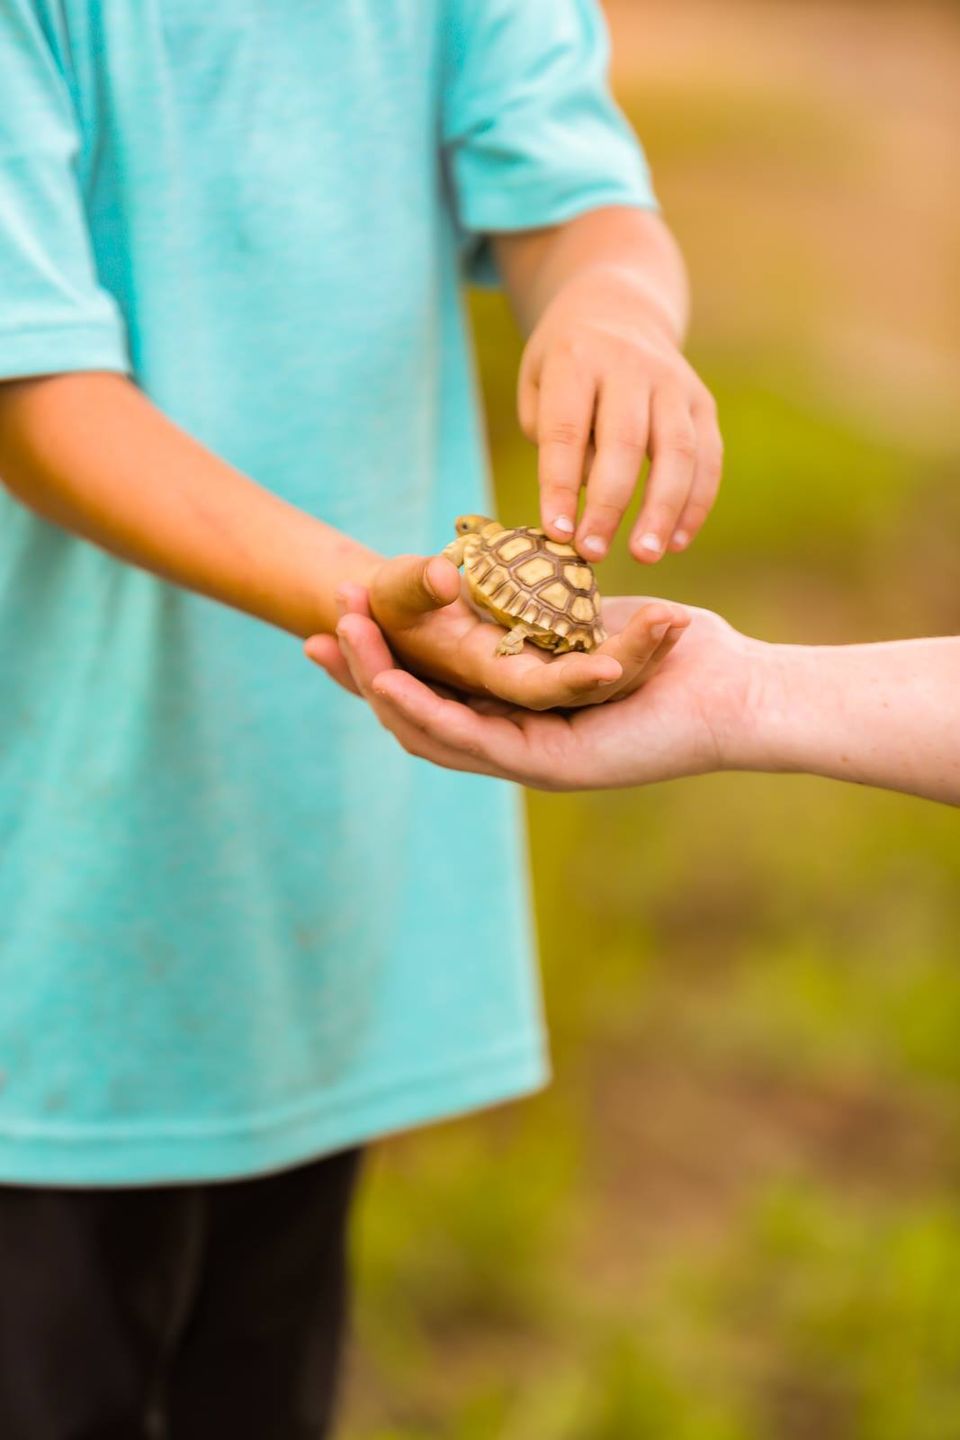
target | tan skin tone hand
[
  {"x": 433, "y": 631},
  {"x": 603, "y": 384},
  {"x": 90, "y": 453}
]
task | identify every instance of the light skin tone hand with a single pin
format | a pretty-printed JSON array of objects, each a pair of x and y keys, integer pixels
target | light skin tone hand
[
  {"x": 359, "y": 659},
  {"x": 883, "y": 715},
  {"x": 603, "y": 383}
]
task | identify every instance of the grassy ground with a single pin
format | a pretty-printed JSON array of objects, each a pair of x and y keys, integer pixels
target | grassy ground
[{"x": 734, "y": 1216}]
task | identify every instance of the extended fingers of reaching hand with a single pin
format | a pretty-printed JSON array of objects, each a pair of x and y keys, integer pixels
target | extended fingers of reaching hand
[
  {"x": 621, "y": 436},
  {"x": 707, "y": 473},
  {"x": 557, "y": 411},
  {"x": 610, "y": 425},
  {"x": 686, "y": 455}
]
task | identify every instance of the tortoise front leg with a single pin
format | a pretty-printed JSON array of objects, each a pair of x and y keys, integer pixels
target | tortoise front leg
[
  {"x": 456, "y": 549},
  {"x": 512, "y": 643}
]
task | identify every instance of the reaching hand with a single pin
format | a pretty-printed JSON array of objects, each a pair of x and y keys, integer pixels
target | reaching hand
[
  {"x": 434, "y": 632},
  {"x": 602, "y": 384}
]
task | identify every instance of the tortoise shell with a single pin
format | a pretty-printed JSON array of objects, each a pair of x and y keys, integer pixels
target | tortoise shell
[{"x": 522, "y": 575}]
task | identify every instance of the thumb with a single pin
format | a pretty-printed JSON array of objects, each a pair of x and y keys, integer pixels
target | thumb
[{"x": 410, "y": 586}]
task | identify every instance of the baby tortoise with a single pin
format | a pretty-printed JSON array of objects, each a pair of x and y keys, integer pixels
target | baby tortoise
[{"x": 539, "y": 589}]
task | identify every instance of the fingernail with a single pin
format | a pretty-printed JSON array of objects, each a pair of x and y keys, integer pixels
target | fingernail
[
  {"x": 681, "y": 538},
  {"x": 650, "y": 543},
  {"x": 595, "y": 545},
  {"x": 657, "y": 632},
  {"x": 564, "y": 524}
]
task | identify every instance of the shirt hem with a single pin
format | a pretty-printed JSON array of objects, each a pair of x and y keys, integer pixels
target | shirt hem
[
  {"x": 59, "y": 349},
  {"x": 116, "y": 1157}
]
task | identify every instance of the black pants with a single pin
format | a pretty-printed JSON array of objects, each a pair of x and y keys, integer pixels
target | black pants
[{"x": 196, "y": 1312}]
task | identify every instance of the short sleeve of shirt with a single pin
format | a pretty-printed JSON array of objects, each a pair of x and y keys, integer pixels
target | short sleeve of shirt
[
  {"x": 530, "y": 131},
  {"x": 54, "y": 315}
]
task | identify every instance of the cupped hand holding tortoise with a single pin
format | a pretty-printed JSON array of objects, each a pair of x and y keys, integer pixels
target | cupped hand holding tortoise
[
  {"x": 437, "y": 632},
  {"x": 881, "y": 714}
]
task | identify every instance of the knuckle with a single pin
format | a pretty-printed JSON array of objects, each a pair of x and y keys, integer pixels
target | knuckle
[
  {"x": 628, "y": 432},
  {"x": 576, "y": 348},
  {"x": 662, "y": 518},
  {"x": 558, "y": 479},
  {"x": 560, "y": 498},
  {"x": 706, "y": 401},
  {"x": 712, "y": 466},
  {"x": 604, "y": 512},
  {"x": 682, "y": 442},
  {"x": 564, "y": 433}
]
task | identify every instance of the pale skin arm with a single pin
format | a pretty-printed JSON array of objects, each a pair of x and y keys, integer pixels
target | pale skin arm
[
  {"x": 92, "y": 454},
  {"x": 885, "y": 715},
  {"x": 604, "y": 300}
]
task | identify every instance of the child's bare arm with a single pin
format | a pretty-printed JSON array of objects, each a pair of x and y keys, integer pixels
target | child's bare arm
[
  {"x": 604, "y": 298},
  {"x": 91, "y": 453}
]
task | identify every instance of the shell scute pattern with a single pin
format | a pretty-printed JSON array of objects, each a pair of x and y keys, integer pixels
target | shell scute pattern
[{"x": 520, "y": 575}]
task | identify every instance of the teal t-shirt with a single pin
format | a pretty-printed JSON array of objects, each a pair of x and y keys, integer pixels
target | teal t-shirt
[{"x": 238, "y": 926}]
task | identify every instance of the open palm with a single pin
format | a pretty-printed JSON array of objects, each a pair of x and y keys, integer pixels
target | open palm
[{"x": 671, "y": 726}]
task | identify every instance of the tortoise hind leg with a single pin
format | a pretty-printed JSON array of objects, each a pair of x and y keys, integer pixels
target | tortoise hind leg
[{"x": 512, "y": 643}]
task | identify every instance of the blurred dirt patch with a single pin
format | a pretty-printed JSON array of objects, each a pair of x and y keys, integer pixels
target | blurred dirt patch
[{"x": 680, "y": 1145}]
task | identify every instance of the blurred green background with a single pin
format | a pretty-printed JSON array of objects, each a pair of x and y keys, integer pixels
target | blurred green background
[{"x": 735, "y": 1214}]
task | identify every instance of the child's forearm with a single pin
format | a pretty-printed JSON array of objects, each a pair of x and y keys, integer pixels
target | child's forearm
[
  {"x": 535, "y": 264},
  {"x": 885, "y": 715},
  {"x": 90, "y": 453}
]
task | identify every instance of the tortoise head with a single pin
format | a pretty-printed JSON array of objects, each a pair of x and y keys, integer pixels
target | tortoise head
[{"x": 472, "y": 524}]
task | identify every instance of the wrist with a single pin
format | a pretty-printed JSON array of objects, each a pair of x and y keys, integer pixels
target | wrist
[
  {"x": 752, "y": 726},
  {"x": 620, "y": 285},
  {"x": 317, "y": 561},
  {"x": 776, "y": 726},
  {"x": 641, "y": 295}
]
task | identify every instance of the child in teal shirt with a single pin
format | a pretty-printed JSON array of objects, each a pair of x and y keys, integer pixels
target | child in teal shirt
[{"x": 234, "y": 941}]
